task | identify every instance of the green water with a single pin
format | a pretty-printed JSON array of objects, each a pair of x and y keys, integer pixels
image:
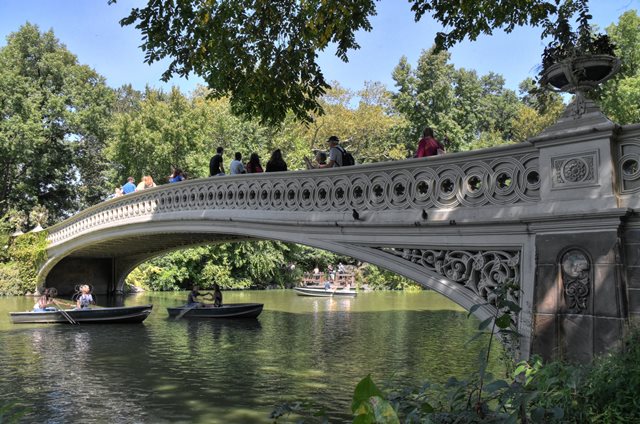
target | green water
[{"x": 209, "y": 371}]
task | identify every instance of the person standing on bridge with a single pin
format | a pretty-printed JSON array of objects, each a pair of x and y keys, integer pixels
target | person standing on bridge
[
  {"x": 236, "y": 166},
  {"x": 129, "y": 186},
  {"x": 253, "y": 166},
  {"x": 428, "y": 145},
  {"x": 216, "y": 166},
  {"x": 177, "y": 176},
  {"x": 335, "y": 153},
  {"x": 276, "y": 162}
]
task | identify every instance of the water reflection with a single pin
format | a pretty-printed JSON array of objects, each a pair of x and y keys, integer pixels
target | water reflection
[{"x": 231, "y": 371}]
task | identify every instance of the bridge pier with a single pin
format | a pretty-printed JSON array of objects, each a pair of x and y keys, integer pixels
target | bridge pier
[{"x": 579, "y": 294}]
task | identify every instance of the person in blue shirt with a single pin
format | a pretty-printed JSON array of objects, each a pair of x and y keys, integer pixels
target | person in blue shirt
[
  {"x": 177, "y": 176},
  {"x": 129, "y": 187},
  {"x": 236, "y": 166}
]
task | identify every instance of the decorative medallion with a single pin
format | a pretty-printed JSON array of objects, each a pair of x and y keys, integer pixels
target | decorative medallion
[
  {"x": 576, "y": 279},
  {"x": 575, "y": 170}
]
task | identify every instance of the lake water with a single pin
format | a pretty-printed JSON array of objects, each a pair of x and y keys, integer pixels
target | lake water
[{"x": 209, "y": 371}]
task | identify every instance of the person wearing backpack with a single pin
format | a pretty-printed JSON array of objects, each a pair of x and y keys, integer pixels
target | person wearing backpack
[{"x": 337, "y": 155}]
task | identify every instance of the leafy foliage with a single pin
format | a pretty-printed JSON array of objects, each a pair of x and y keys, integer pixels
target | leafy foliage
[
  {"x": 263, "y": 54},
  {"x": 620, "y": 97},
  {"x": 380, "y": 279},
  {"x": 252, "y": 51},
  {"x": 20, "y": 261},
  {"x": 53, "y": 127},
  {"x": 467, "y": 109},
  {"x": 238, "y": 265}
]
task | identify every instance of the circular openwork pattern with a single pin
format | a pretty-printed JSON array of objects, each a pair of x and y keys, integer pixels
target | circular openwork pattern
[{"x": 506, "y": 179}]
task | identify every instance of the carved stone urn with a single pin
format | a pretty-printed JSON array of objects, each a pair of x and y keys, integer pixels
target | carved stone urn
[{"x": 581, "y": 74}]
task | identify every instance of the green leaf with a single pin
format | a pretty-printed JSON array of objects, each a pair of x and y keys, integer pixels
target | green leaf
[
  {"x": 537, "y": 415},
  {"x": 496, "y": 385},
  {"x": 427, "y": 408},
  {"x": 503, "y": 321},
  {"x": 475, "y": 308},
  {"x": 365, "y": 389},
  {"x": 484, "y": 324}
]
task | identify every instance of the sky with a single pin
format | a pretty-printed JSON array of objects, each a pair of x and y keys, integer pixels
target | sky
[{"x": 90, "y": 29}]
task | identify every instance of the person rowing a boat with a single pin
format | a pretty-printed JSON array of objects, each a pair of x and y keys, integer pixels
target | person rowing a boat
[
  {"x": 42, "y": 305},
  {"x": 192, "y": 298},
  {"x": 48, "y": 297}
]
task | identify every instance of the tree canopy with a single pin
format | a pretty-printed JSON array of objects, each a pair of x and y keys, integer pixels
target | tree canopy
[
  {"x": 262, "y": 54},
  {"x": 53, "y": 125}
]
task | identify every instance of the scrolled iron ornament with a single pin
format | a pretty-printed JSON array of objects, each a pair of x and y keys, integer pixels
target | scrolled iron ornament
[
  {"x": 576, "y": 278},
  {"x": 480, "y": 271}
]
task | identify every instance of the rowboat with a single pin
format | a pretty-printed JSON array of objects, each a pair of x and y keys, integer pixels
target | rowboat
[
  {"x": 229, "y": 310},
  {"x": 123, "y": 314},
  {"x": 317, "y": 291}
]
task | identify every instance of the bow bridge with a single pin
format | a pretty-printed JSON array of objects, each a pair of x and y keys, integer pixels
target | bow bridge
[{"x": 556, "y": 215}]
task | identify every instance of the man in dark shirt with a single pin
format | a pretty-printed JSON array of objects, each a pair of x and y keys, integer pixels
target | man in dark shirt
[{"x": 215, "y": 164}]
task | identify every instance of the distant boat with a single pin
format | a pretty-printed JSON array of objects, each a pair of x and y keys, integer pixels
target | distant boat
[
  {"x": 229, "y": 310},
  {"x": 317, "y": 291},
  {"x": 124, "y": 314}
]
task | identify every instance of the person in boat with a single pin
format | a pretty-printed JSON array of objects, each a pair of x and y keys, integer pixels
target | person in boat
[
  {"x": 85, "y": 300},
  {"x": 192, "y": 298},
  {"x": 43, "y": 303},
  {"x": 217, "y": 296},
  {"x": 327, "y": 285}
]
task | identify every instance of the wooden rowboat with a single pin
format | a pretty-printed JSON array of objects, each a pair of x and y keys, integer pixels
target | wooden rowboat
[
  {"x": 229, "y": 310},
  {"x": 124, "y": 314},
  {"x": 322, "y": 292}
]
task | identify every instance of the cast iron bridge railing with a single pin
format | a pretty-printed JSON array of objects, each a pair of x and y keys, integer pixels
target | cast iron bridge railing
[{"x": 490, "y": 178}]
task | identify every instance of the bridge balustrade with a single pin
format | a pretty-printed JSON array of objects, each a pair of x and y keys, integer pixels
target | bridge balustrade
[{"x": 500, "y": 176}]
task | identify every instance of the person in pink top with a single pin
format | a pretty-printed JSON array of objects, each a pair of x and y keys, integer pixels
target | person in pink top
[{"x": 428, "y": 145}]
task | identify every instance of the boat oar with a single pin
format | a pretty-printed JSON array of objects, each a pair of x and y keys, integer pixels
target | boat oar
[
  {"x": 66, "y": 315},
  {"x": 185, "y": 310}
]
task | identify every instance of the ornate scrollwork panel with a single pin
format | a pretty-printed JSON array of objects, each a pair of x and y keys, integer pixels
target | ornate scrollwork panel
[
  {"x": 576, "y": 279},
  {"x": 481, "y": 271}
]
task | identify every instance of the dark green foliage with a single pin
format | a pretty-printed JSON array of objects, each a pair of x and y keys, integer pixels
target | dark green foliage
[
  {"x": 613, "y": 384},
  {"x": 603, "y": 392},
  {"x": 567, "y": 43},
  {"x": 53, "y": 127},
  {"x": 261, "y": 54},
  {"x": 21, "y": 259},
  {"x": 470, "y": 111},
  {"x": 379, "y": 279},
  {"x": 240, "y": 265},
  {"x": 470, "y": 18}
]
